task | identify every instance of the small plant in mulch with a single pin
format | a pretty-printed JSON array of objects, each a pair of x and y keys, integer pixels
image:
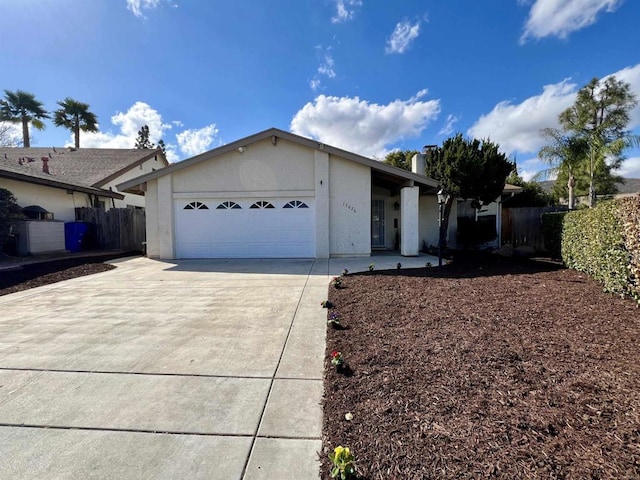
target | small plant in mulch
[
  {"x": 345, "y": 272},
  {"x": 335, "y": 320},
  {"x": 336, "y": 282},
  {"x": 337, "y": 360},
  {"x": 327, "y": 304},
  {"x": 371, "y": 267},
  {"x": 343, "y": 463}
]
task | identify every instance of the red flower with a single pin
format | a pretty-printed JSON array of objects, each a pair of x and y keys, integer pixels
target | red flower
[{"x": 335, "y": 353}]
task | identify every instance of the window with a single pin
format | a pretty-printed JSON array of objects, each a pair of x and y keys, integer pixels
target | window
[
  {"x": 262, "y": 204},
  {"x": 196, "y": 206},
  {"x": 296, "y": 204},
  {"x": 228, "y": 205}
]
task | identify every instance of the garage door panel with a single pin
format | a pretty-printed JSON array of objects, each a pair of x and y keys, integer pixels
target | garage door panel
[{"x": 245, "y": 232}]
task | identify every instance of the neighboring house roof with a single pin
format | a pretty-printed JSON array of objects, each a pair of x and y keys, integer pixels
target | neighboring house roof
[
  {"x": 131, "y": 185},
  {"x": 84, "y": 170}
]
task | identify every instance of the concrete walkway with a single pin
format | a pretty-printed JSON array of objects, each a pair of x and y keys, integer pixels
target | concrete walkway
[{"x": 169, "y": 370}]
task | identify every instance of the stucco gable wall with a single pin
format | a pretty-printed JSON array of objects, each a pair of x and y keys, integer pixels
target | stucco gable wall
[
  {"x": 147, "y": 166},
  {"x": 262, "y": 167},
  {"x": 349, "y": 208},
  {"x": 55, "y": 200}
]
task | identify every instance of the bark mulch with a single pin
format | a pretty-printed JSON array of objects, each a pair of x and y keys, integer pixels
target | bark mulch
[
  {"x": 489, "y": 368},
  {"x": 44, "y": 273}
]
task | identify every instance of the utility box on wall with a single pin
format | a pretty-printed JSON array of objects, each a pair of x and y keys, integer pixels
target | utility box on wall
[{"x": 40, "y": 236}]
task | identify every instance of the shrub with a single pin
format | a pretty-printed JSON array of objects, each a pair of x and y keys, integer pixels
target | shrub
[
  {"x": 10, "y": 211},
  {"x": 630, "y": 221},
  {"x": 592, "y": 242},
  {"x": 552, "y": 232}
]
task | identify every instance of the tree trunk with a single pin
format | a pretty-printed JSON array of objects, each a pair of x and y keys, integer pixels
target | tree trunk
[
  {"x": 570, "y": 184},
  {"x": 76, "y": 133},
  {"x": 592, "y": 189},
  {"x": 25, "y": 132},
  {"x": 444, "y": 227}
]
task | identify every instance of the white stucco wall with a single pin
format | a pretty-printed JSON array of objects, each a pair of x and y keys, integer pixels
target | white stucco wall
[
  {"x": 428, "y": 226},
  {"x": 409, "y": 221},
  {"x": 263, "y": 167},
  {"x": 166, "y": 225},
  {"x": 350, "y": 208},
  {"x": 55, "y": 200},
  {"x": 152, "y": 216},
  {"x": 321, "y": 169}
]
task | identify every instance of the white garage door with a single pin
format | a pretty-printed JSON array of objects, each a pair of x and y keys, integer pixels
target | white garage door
[{"x": 245, "y": 228}]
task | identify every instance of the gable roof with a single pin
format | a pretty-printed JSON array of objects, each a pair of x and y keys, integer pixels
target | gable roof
[
  {"x": 85, "y": 169},
  {"x": 132, "y": 185}
]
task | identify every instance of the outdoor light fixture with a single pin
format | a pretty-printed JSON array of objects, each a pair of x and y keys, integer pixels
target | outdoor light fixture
[
  {"x": 242, "y": 149},
  {"x": 442, "y": 197}
]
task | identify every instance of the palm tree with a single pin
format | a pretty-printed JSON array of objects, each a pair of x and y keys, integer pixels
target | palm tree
[
  {"x": 75, "y": 116},
  {"x": 564, "y": 153},
  {"x": 20, "y": 106}
]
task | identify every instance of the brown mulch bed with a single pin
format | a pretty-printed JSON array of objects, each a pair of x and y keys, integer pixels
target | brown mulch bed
[
  {"x": 45, "y": 273},
  {"x": 489, "y": 368}
]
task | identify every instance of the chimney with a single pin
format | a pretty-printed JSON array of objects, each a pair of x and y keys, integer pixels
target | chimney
[
  {"x": 419, "y": 161},
  {"x": 418, "y": 164},
  {"x": 45, "y": 164}
]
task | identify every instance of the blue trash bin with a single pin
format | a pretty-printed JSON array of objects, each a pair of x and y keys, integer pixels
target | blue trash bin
[{"x": 74, "y": 233}]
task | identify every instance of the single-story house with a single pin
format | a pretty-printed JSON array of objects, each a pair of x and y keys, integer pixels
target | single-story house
[
  {"x": 61, "y": 179},
  {"x": 276, "y": 194}
]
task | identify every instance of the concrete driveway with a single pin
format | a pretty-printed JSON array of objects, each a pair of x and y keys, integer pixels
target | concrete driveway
[{"x": 168, "y": 370}]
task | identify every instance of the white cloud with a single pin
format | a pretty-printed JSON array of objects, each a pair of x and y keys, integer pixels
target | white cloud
[
  {"x": 630, "y": 168},
  {"x": 129, "y": 123},
  {"x": 326, "y": 67},
  {"x": 559, "y": 18},
  {"x": 345, "y": 9},
  {"x": 402, "y": 36},
  {"x": 193, "y": 142},
  {"x": 516, "y": 127},
  {"x": 528, "y": 169},
  {"x": 10, "y": 134},
  {"x": 363, "y": 127},
  {"x": 631, "y": 75},
  {"x": 137, "y": 6},
  {"x": 314, "y": 83},
  {"x": 447, "y": 128}
]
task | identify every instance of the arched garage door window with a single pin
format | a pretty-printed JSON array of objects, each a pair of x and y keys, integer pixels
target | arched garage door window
[
  {"x": 262, "y": 204},
  {"x": 196, "y": 206}
]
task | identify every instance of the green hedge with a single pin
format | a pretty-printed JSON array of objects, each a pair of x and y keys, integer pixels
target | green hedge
[
  {"x": 593, "y": 241},
  {"x": 630, "y": 221}
]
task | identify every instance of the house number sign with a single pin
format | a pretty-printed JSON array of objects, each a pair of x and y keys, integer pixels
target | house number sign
[{"x": 349, "y": 207}]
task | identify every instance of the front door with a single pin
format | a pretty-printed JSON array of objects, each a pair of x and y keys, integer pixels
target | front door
[{"x": 377, "y": 223}]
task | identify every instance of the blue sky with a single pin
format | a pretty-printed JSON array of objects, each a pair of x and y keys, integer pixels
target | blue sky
[{"x": 368, "y": 76}]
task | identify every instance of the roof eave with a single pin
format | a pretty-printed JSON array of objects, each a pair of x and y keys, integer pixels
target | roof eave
[
  {"x": 131, "y": 166},
  {"x": 60, "y": 185},
  {"x": 274, "y": 132}
]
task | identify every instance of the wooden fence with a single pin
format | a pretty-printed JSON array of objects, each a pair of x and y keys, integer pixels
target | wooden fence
[
  {"x": 115, "y": 229},
  {"x": 523, "y": 226}
]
